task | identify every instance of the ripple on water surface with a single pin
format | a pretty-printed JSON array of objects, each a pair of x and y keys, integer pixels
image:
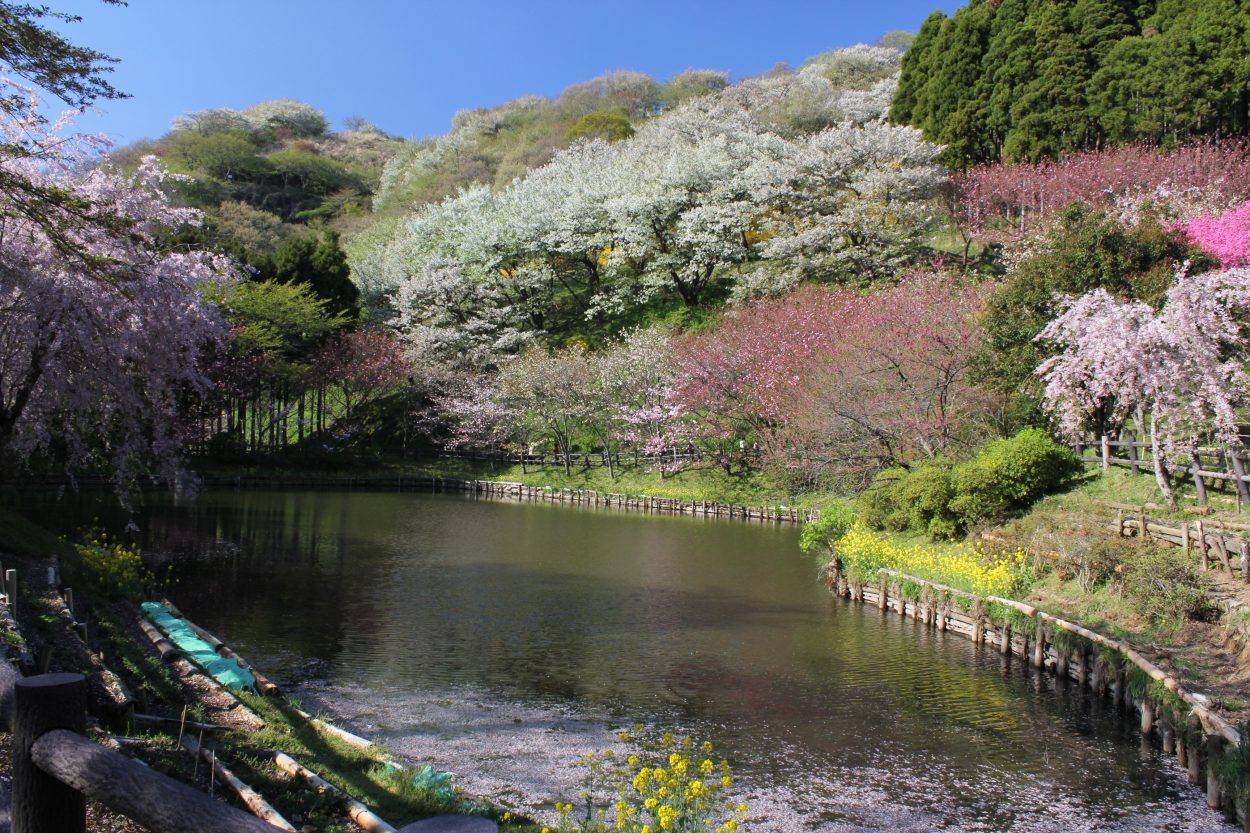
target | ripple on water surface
[{"x": 502, "y": 641}]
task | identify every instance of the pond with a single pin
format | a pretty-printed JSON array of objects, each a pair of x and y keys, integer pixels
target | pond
[{"x": 502, "y": 640}]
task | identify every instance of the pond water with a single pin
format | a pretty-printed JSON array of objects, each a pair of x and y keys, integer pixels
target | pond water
[{"x": 502, "y": 640}]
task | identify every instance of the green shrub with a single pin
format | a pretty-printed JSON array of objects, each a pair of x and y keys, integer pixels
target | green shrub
[
  {"x": 944, "y": 500},
  {"x": 925, "y": 496},
  {"x": 835, "y": 519},
  {"x": 911, "y": 499},
  {"x": 1010, "y": 474},
  {"x": 878, "y": 505},
  {"x": 1165, "y": 585}
]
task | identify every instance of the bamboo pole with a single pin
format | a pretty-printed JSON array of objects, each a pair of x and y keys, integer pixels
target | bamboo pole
[
  {"x": 342, "y": 734},
  {"x": 254, "y": 800},
  {"x": 356, "y": 811}
]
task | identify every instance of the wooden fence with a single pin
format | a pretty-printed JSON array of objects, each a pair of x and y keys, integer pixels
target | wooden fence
[
  {"x": 1223, "y": 541},
  {"x": 1205, "y": 466},
  {"x": 579, "y": 459},
  {"x": 56, "y": 769},
  {"x": 636, "y": 503},
  {"x": 1083, "y": 661}
]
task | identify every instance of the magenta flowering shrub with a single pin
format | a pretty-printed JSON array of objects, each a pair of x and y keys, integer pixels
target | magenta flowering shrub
[{"x": 1227, "y": 236}]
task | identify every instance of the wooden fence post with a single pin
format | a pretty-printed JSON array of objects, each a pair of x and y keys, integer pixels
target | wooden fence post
[
  {"x": 1202, "y": 545},
  {"x": 1106, "y": 452},
  {"x": 1132, "y": 452},
  {"x": 1039, "y": 645},
  {"x": 40, "y": 704},
  {"x": 1239, "y": 478},
  {"x": 1215, "y": 743},
  {"x": 10, "y": 588}
]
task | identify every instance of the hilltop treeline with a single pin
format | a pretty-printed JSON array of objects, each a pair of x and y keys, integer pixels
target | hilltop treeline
[{"x": 1026, "y": 79}]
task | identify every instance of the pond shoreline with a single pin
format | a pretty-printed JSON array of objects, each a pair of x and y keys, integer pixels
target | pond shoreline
[
  {"x": 1176, "y": 719},
  {"x": 491, "y": 489}
]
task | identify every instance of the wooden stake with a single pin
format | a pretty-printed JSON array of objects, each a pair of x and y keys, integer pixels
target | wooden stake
[
  {"x": 40, "y": 704},
  {"x": 1039, "y": 646},
  {"x": 1215, "y": 743},
  {"x": 10, "y": 588}
]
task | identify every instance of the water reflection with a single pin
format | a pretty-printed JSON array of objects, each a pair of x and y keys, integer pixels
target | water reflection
[{"x": 408, "y": 607}]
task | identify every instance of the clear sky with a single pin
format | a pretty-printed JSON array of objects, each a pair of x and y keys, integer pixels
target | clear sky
[{"x": 409, "y": 66}]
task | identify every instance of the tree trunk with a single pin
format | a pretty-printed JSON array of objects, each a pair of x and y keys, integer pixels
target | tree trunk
[{"x": 1161, "y": 472}]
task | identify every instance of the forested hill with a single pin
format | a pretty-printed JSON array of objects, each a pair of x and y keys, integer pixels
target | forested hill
[{"x": 1026, "y": 79}]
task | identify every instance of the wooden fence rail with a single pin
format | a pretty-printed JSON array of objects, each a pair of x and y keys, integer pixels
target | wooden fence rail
[
  {"x": 577, "y": 459},
  {"x": 1206, "y": 465},
  {"x": 56, "y": 769},
  {"x": 1223, "y": 541}
]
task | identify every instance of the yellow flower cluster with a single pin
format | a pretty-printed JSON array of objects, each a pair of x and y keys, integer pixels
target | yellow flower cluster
[
  {"x": 671, "y": 786},
  {"x": 967, "y": 566},
  {"x": 110, "y": 567}
]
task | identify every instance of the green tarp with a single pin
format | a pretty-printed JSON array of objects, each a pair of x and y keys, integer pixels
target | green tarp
[{"x": 228, "y": 672}]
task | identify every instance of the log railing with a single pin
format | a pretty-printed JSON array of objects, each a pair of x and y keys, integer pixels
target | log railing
[
  {"x": 579, "y": 459},
  {"x": 56, "y": 769},
  {"x": 1205, "y": 465},
  {"x": 1216, "y": 540}
]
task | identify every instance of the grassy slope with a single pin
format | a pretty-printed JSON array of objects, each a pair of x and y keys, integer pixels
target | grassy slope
[{"x": 1068, "y": 522}]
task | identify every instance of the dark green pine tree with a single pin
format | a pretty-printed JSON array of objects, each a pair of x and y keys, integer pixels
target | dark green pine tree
[
  {"x": 319, "y": 261},
  {"x": 917, "y": 66},
  {"x": 1049, "y": 116},
  {"x": 1024, "y": 79},
  {"x": 959, "y": 120}
]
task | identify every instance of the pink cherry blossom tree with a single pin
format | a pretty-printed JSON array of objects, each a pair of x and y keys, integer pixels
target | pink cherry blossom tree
[
  {"x": 361, "y": 367},
  {"x": 1009, "y": 201},
  {"x": 101, "y": 331},
  {"x": 838, "y": 382},
  {"x": 1183, "y": 366},
  {"x": 735, "y": 378},
  {"x": 890, "y": 385}
]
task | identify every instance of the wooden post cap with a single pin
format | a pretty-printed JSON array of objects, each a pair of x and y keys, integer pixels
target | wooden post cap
[{"x": 451, "y": 824}]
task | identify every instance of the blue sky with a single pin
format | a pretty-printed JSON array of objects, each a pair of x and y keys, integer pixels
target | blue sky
[{"x": 409, "y": 66}]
